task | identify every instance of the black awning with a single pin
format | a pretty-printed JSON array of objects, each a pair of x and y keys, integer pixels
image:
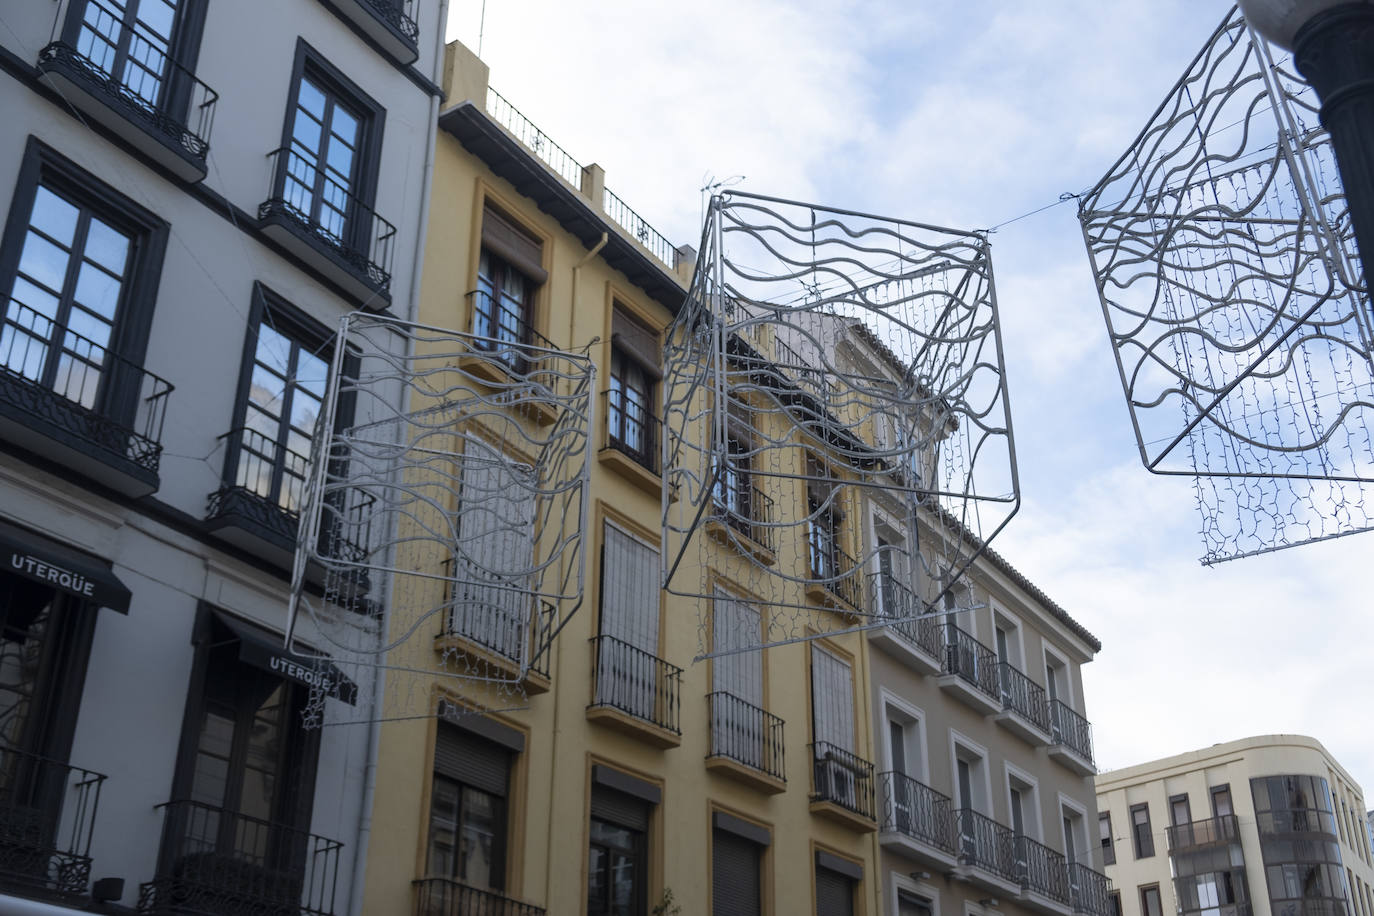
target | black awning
[
  {"x": 261, "y": 649},
  {"x": 33, "y": 556}
]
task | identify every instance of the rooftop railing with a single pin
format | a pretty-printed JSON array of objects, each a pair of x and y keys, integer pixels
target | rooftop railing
[
  {"x": 746, "y": 734},
  {"x": 971, "y": 660},
  {"x": 637, "y": 226},
  {"x": 1071, "y": 730},
  {"x": 636, "y": 682},
  {"x": 842, "y": 777},
  {"x": 47, "y": 820},
  {"x": 893, "y": 599},
  {"x": 912, "y": 808},
  {"x": 449, "y": 897},
  {"x": 1023, "y": 696}
]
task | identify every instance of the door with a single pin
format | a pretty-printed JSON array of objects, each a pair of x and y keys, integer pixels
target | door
[
  {"x": 737, "y": 726},
  {"x": 832, "y": 703},
  {"x": 628, "y": 670},
  {"x": 492, "y": 599},
  {"x": 324, "y": 160},
  {"x": 131, "y": 41}
]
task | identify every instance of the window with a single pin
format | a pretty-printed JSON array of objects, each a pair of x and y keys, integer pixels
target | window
[
  {"x": 836, "y": 881},
  {"x": 1114, "y": 903},
  {"x": 737, "y": 850},
  {"x": 468, "y": 808},
  {"x": 739, "y": 726},
  {"x": 823, "y": 522},
  {"x": 628, "y": 676},
  {"x": 617, "y": 869},
  {"x": 135, "y": 43},
  {"x": 1149, "y": 901},
  {"x": 1221, "y": 801},
  {"x": 508, "y": 273},
  {"x": 1075, "y": 838},
  {"x": 1140, "y": 832},
  {"x": 909, "y": 904},
  {"x": 78, "y": 277},
  {"x": 630, "y": 401},
  {"x": 1104, "y": 833},
  {"x": 836, "y": 768},
  {"x": 1179, "y": 811},
  {"x": 736, "y": 496}
]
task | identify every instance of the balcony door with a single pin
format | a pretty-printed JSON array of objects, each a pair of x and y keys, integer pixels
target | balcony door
[
  {"x": 133, "y": 43},
  {"x": 628, "y": 672},
  {"x": 737, "y": 727},
  {"x": 327, "y": 139},
  {"x": 832, "y": 705}
]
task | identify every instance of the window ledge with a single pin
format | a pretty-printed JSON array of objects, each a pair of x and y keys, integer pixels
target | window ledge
[
  {"x": 634, "y": 726},
  {"x": 477, "y": 658},
  {"x": 749, "y": 776},
  {"x": 509, "y": 388},
  {"x": 824, "y": 596},
  {"x": 1072, "y": 760},
  {"x": 839, "y": 814},
  {"x": 731, "y": 537},
  {"x": 630, "y": 469}
]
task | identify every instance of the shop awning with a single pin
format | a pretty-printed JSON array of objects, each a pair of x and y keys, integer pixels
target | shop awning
[
  {"x": 71, "y": 571},
  {"x": 262, "y": 649}
]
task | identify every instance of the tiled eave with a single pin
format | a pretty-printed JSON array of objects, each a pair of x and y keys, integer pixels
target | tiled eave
[{"x": 509, "y": 159}]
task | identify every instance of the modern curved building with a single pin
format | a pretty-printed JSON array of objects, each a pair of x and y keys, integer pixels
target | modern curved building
[{"x": 1264, "y": 826}]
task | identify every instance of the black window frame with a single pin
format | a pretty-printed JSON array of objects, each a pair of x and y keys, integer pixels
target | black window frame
[
  {"x": 1140, "y": 833},
  {"x": 1159, "y": 900},
  {"x": 371, "y": 128},
  {"x": 44, "y": 166},
  {"x": 1106, "y": 840},
  {"x": 619, "y": 811}
]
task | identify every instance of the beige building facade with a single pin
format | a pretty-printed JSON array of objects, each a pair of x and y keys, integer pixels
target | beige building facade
[{"x": 1262, "y": 826}]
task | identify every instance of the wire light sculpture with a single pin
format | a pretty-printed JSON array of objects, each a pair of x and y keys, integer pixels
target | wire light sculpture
[
  {"x": 1227, "y": 271},
  {"x": 441, "y": 536},
  {"x": 838, "y": 443}
]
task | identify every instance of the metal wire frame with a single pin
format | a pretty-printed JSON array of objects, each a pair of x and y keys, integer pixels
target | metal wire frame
[
  {"x": 1225, "y": 264},
  {"x": 839, "y": 361},
  {"x": 478, "y": 468}
]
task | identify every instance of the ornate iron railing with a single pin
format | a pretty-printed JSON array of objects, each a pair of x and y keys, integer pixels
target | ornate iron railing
[
  {"x": 632, "y": 429},
  {"x": 52, "y": 376},
  {"x": 447, "y": 897},
  {"x": 637, "y": 226},
  {"x": 325, "y": 211},
  {"x": 505, "y": 332},
  {"x": 534, "y": 139},
  {"x": 830, "y": 565},
  {"x": 890, "y": 598},
  {"x": 986, "y": 844},
  {"x": 1212, "y": 830},
  {"x": 1041, "y": 869},
  {"x": 47, "y": 819},
  {"x": 222, "y": 862},
  {"x": 916, "y": 810},
  {"x": 971, "y": 660},
  {"x": 1089, "y": 891},
  {"x": 399, "y": 14},
  {"x": 745, "y": 508},
  {"x": 1071, "y": 730},
  {"x": 1023, "y": 696},
  {"x": 636, "y": 682},
  {"x": 499, "y": 615},
  {"x": 260, "y": 466},
  {"x": 746, "y": 734},
  {"x": 152, "y": 90},
  {"x": 842, "y": 777}
]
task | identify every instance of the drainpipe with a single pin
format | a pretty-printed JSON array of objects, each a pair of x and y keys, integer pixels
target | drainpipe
[
  {"x": 374, "y": 728},
  {"x": 572, "y": 298}
]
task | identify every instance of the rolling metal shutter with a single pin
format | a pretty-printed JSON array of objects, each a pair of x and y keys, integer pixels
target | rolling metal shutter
[
  {"x": 620, "y": 808},
  {"x": 472, "y": 760},
  {"x": 834, "y": 894},
  {"x": 735, "y": 885}
]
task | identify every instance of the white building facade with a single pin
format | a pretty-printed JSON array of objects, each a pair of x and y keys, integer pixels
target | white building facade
[{"x": 195, "y": 192}]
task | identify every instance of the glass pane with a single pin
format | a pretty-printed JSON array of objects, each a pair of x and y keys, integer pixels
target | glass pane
[
  {"x": 210, "y": 777},
  {"x": 54, "y": 216},
  {"x": 312, "y": 373},
  {"x": 443, "y": 823},
  {"x": 93, "y": 331},
  {"x": 107, "y": 247},
  {"x": 344, "y": 126},
  {"x": 266, "y": 391},
  {"x": 43, "y": 262},
  {"x": 22, "y": 641},
  {"x": 311, "y": 98},
  {"x": 97, "y": 290},
  {"x": 596, "y": 880},
  {"x": 157, "y": 16},
  {"x": 477, "y": 839},
  {"x": 38, "y": 304},
  {"x": 273, "y": 350},
  {"x": 261, "y": 759}
]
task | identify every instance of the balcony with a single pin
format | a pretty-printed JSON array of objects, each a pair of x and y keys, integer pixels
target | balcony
[
  {"x": 120, "y": 76},
  {"x": 78, "y": 405},
  {"x": 969, "y": 673},
  {"x": 218, "y": 861},
  {"x": 1044, "y": 877},
  {"x": 632, "y": 440},
  {"x": 742, "y": 515},
  {"x": 914, "y": 636},
  {"x": 635, "y": 692},
  {"x": 499, "y": 625},
  {"x": 1089, "y": 891},
  {"x": 1213, "y": 831},
  {"x": 1025, "y": 710},
  {"x": 389, "y": 23},
  {"x": 917, "y": 822},
  {"x": 842, "y": 787},
  {"x": 505, "y": 355},
  {"x": 447, "y": 897},
  {"x": 746, "y": 743},
  {"x": 835, "y": 581},
  {"x": 47, "y": 818},
  {"x": 987, "y": 853},
  {"x": 244, "y": 513},
  {"x": 327, "y": 226},
  {"x": 1073, "y": 739}
]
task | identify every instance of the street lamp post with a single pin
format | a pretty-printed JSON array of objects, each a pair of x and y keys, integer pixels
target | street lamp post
[{"x": 1333, "y": 48}]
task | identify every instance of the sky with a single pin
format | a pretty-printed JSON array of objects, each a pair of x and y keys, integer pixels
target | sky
[{"x": 970, "y": 114}]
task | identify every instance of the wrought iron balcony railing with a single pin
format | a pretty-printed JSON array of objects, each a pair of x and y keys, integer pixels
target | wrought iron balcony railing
[
  {"x": 745, "y": 508},
  {"x": 746, "y": 734},
  {"x": 636, "y": 682},
  {"x": 842, "y": 777},
  {"x": 47, "y": 819},
  {"x": 1042, "y": 870},
  {"x": 447, "y": 897},
  {"x": 971, "y": 660},
  {"x": 986, "y": 844},
  {"x": 262, "y": 467},
  {"x": 119, "y": 62},
  {"x": 1071, "y": 730},
  {"x": 505, "y": 332},
  {"x": 59, "y": 382},
  {"x": 218, "y": 861},
  {"x": 637, "y": 226},
  {"x": 916, "y": 810},
  {"x": 830, "y": 565},
  {"x": 328, "y": 214},
  {"x": 400, "y": 15},
  {"x": 498, "y": 614},
  {"x": 1023, "y": 696},
  {"x": 1208, "y": 832},
  {"x": 1089, "y": 891},
  {"x": 891, "y": 598},
  {"x": 632, "y": 429}
]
